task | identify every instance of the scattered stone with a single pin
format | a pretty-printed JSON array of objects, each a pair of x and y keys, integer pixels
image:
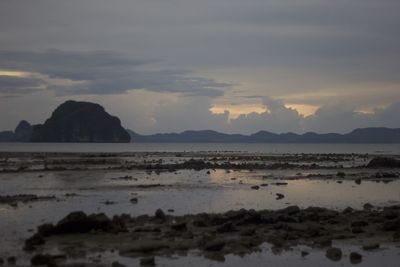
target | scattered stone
[
  {"x": 215, "y": 245},
  {"x": 341, "y": 174},
  {"x": 117, "y": 264},
  {"x": 357, "y": 181},
  {"x": 279, "y": 196},
  {"x": 11, "y": 260},
  {"x": 281, "y": 183},
  {"x": 179, "y": 226},
  {"x": 304, "y": 253},
  {"x": 134, "y": 200},
  {"x": 149, "y": 261},
  {"x": 371, "y": 246},
  {"x": 355, "y": 258},
  {"x": 23, "y": 198},
  {"x": 334, "y": 254},
  {"x": 368, "y": 206},
  {"x": 160, "y": 215},
  {"x": 255, "y": 187},
  {"x": 263, "y": 185},
  {"x": 171, "y": 210},
  {"x": 384, "y": 162},
  {"x": 43, "y": 259}
]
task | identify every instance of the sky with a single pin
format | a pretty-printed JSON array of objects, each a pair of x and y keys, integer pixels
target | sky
[{"x": 228, "y": 65}]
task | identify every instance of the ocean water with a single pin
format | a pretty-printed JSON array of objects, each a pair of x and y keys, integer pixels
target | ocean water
[{"x": 195, "y": 147}]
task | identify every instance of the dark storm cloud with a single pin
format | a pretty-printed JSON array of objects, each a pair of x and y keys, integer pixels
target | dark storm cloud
[
  {"x": 11, "y": 85},
  {"x": 105, "y": 72}
]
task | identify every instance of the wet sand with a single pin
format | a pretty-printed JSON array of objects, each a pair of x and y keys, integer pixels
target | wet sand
[{"x": 40, "y": 188}]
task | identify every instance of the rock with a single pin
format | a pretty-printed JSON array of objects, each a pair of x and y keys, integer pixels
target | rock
[
  {"x": 355, "y": 258},
  {"x": 226, "y": 228},
  {"x": 279, "y": 196},
  {"x": 117, "y": 264},
  {"x": 134, "y": 200},
  {"x": 334, "y": 254},
  {"x": 76, "y": 122},
  {"x": 357, "y": 181},
  {"x": 384, "y": 162},
  {"x": 215, "y": 245},
  {"x": 149, "y": 261},
  {"x": 255, "y": 187},
  {"x": 341, "y": 174},
  {"x": 368, "y": 206},
  {"x": 1, "y": 261},
  {"x": 304, "y": 253},
  {"x": 281, "y": 183},
  {"x": 371, "y": 246},
  {"x": 43, "y": 259},
  {"x": 391, "y": 225},
  {"x": 160, "y": 215},
  {"x": 348, "y": 210},
  {"x": 179, "y": 227},
  {"x": 34, "y": 241},
  {"x": 147, "y": 246},
  {"x": 78, "y": 222},
  {"x": 11, "y": 260},
  {"x": 359, "y": 224},
  {"x": 291, "y": 210},
  {"x": 171, "y": 210}
]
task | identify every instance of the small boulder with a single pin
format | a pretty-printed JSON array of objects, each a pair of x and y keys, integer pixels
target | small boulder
[
  {"x": 334, "y": 254},
  {"x": 355, "y": 258},
  {"x": 148, "y": 261}
]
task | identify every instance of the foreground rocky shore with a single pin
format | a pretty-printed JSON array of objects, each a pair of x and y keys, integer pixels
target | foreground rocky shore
[{"x": 238, "y": 232}]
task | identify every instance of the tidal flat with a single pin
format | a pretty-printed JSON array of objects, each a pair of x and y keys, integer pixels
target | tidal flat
[{"x": 198, "y": 208}]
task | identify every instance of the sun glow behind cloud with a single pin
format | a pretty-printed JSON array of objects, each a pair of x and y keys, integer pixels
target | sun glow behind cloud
[{"x": 237, "y": 110}]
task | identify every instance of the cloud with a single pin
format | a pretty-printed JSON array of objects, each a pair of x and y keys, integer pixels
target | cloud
[
  {"x": 14, "y": 86},
  {"x": 106, "y": 72}
]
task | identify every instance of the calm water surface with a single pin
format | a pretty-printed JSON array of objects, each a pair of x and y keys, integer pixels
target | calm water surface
[{"x": 181, "y": 147}]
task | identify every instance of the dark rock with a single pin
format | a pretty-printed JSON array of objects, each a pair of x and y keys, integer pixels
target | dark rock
[
  {"x": 179, "y": 226},
  {"x": 215, "y": 245},
  {"x": 355, "y": 258},
  {"x": 160, "y": 215},
  {"x": 348, "y": 210},
  {"x": 384, "y": 162},
  {"x": 357, "y": 181},
  {"x": 255, "y": 187},
  {"x": 371, "y": 246},
  {"x": 334, "y": 254},
  {"x": 391, "y": 225},
  {"x": 80, "y": 122},
  {"x": 117, "y": 264},
  {"x": 79, "y": 222},
  {"x": 359, "y": 224},
  {"x": 341, "y": 174},
  {"x": 226, "y": 228},
  {"x": 291, "y": 210},
  {"x": 279, "y": 196},
  {"x": 368, "y": 206},
  {"x": 134, "y": 200},
  {"x": 34, "y": 241},
  {"x": 43, "y": 260},
  {"x": 149, "y": 261},
  {"x": 304, "y": 253},
  {"x": 11, "y": 260}
]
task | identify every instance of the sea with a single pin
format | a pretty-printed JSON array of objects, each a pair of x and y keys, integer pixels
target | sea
[{"x": 264, "y": 148}]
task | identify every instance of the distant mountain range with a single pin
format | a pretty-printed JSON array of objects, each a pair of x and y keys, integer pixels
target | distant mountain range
[
  {"x": 365, "y": 135},
  {"x": 74, "y": 121}
]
